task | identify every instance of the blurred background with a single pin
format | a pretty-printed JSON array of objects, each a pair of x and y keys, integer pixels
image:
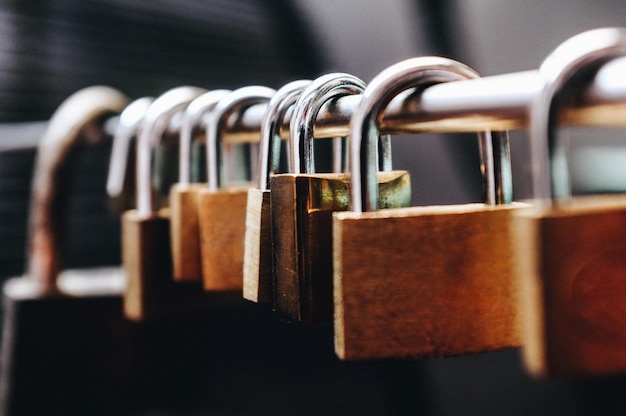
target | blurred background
[{"x": 50, "y": 49}]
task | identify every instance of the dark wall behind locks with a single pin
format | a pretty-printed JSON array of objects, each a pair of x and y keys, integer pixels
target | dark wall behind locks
[{"x": 50, "y": 49}]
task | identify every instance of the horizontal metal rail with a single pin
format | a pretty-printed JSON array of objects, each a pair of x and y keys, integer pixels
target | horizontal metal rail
[{"x": 498, "y": 102}]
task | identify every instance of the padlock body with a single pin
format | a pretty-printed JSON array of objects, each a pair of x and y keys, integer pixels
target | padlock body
[
  {"x": 74, "y": 352},
  {"x": 572, "y": 273},
  {"x": 257, "y": 262},
  {"x": 222, "y": 216},
  {"x": 151, "y": 292},
  {"x": 424, "y": 282},
  {"x": 61, "y": 352},
  {"x": 184, "y": 232},
  {"x": 302, "y": 208}
]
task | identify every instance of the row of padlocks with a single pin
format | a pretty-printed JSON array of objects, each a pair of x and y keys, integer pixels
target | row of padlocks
[{"x": 397, "y": 281}]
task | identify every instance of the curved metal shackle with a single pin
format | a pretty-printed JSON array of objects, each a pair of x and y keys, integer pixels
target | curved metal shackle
[
  {"x": 308, "y": 105},
  {"x": 585, "y": 52},
  {"x": 412, "y": 73},
  {"x": 153, "y": 126},
  {"x": 269, "y": 152},
  {"x": 192, "y": 117},
  {"x": 73, "y": 120},
  {"x": 127, "y": 127},
  {"x": 240, "y": 98}
]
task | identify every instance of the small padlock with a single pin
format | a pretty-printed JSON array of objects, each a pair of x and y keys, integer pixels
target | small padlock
[
  {"x": 222, "y": 207},
  {"x": 257, "y": 263},
  {"x": 571, "y": 251},
  {"x": 420, "y": 281},
  {"x": 121, "y": 177},
  {"x": 151, "y": 291},
  {"x": 62, "y": 349},
  {"x": 184, "y": 230},
  {"x": 302, "y": 205}
]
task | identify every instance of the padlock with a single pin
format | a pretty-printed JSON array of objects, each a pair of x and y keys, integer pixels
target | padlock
[
  {"x": 302, "y": 205},
  {"x": 222, "y": 206},
  {"x": 571, "y": 251},
  {"x": 184, "y": 231},
  {"x": 421, "y": 281},
  {"x": 62, "y": 349},
  {"x": 257, "y": 263},
  {"x": 121, "y": 179},
  {"x": 151, "y": 292}
]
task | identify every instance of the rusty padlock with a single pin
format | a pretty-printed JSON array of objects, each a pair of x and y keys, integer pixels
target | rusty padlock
[
  {"x": 221, "y": 206},
  {"x": 571, "y": 251},
  {"x": 63, "y": 334},
  {"x": 184, "y": 229},
  {"x": 257, "y": 262},
  {"x": 421, "y": 281},
  {"x": 151, "y": 291},
  {"x": 302, "y": 205}
]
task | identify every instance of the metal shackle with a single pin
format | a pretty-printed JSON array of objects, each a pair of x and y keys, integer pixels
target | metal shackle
[
  {"x": 126, "y": 129},
  {"x": 237, "y": 100},
  {"x": 271, "y": 123},
  {"x": 417, "y": 73},
  {"x": 192, "y": 117},
  {"x": 313, "y": 97},
  {"x": 73, "y": 120},
  {"x": 153, "y": 126},
  {"x": 581, "y": 55}
]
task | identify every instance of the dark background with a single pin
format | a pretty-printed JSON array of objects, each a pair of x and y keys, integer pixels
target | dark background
[{"x": 256, "y": 365}]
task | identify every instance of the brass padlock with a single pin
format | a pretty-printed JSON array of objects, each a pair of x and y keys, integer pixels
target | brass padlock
[
  {"x": 302, "y": 205},
  {"x": 421, "y": 281},
  {"x": 571, "y": 251},
  {"x": 151, "y": 291},
  {"x": 184, "y": 229},
  {"x": 222, "y": 206},
  {"x": 63, "y": 331},
  {"x": 121, "y": 175},
  {"x": 257, "y": 262}
]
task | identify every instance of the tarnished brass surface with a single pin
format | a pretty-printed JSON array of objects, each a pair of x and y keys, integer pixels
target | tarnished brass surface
[{"x": 302, "y": 236}]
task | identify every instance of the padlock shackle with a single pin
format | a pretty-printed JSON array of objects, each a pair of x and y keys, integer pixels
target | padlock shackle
[
  {"x": 417, "y": 74},
  {"x": 271, "y": 123},
  {"x": 238, "y": 100},
  {"x": 192, "y": 118},
  {"x": 127, "y": 127},
  {"x": 310, "y": 101},
  {"x": 154, "y": 124},
  {"x": 577, "y": 58},
  {"x": 79, "y": 117}
]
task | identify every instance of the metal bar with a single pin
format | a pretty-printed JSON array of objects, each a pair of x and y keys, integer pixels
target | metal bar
[{"x": 491, "y": 103}]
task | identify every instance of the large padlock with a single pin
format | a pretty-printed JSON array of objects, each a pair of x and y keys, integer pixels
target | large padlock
[
  {"x": 421, "y": 281},
  {"x": 571, "y": 251},
  {"x": 151, "y": 291},
  {"x": 184, "y": 228},
  {"x": 64, "y": 337},
  {"x": 302, "y": 205},
  {"x": 222, "y": 206},
  {"x": 258, "y": 257}
]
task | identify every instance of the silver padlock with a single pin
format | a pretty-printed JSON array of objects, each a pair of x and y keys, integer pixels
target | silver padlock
[{"x": 258, "y": 256}]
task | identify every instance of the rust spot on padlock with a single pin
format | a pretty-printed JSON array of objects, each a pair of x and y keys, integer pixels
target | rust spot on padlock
[{"x": 598, "y": 290}]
